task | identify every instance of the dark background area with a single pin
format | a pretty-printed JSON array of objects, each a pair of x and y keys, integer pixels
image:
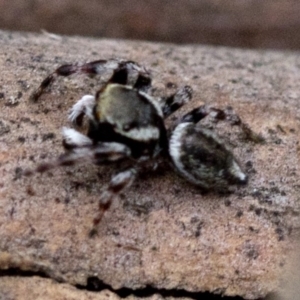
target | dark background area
[{"x": 271, "y": 24}]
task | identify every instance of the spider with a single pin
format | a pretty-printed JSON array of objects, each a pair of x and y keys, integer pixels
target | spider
[{"x": 125, "y": 123}]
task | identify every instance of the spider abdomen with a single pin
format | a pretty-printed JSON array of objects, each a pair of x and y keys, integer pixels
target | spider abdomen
[{"x": 202, "y": 158}]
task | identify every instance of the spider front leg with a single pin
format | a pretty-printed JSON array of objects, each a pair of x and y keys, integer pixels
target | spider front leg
[
  {"x": 120, "y": 71},
  {"x": 117, "y": 185}
]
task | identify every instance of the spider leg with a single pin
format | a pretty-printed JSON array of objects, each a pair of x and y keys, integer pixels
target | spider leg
[
  {"x": 81, "y": 108},
  {"x": 122, "y": 72},
  {"x": 172, "y": 103},
  {"x": 193, "y": 116},
  {"x": 197, "y": 114},
  {"x": 117, "y": 185},
  {"x": 130, "y": 73},
  {"x": 80, "y": 148},
  {"x": 226, "y": 114}
]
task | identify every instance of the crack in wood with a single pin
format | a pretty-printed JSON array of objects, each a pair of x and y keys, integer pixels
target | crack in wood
[{"x": 94, "y": 284}]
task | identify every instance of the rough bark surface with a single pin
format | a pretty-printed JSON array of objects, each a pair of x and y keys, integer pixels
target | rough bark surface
[{"x": 163, "y": 232}]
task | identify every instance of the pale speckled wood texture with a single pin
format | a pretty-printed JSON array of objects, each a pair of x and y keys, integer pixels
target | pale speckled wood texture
[{"x": 163, "y": 232}]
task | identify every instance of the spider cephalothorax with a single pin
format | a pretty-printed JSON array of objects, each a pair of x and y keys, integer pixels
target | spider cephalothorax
[{"x": 126, "y": 123}]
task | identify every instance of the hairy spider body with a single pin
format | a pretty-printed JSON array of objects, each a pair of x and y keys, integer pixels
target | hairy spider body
[
  {"x": 138, "y": 124},
  {"x": 127, "y": 123}
]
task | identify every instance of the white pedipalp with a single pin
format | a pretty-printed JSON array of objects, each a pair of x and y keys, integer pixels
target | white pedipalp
[{"x": 84, "y": 106}]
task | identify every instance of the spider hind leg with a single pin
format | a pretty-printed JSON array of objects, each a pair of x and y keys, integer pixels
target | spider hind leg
[{"x": 172, "y": 103}]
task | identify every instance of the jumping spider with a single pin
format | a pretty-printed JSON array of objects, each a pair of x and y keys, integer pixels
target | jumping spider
[{"x": 127, "y": 124}]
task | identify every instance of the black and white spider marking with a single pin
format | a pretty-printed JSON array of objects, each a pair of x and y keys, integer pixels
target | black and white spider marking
[{"x": 127, "y": 124}]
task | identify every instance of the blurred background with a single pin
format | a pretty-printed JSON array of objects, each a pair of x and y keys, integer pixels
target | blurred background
[{"x": 239, "y": 23}]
